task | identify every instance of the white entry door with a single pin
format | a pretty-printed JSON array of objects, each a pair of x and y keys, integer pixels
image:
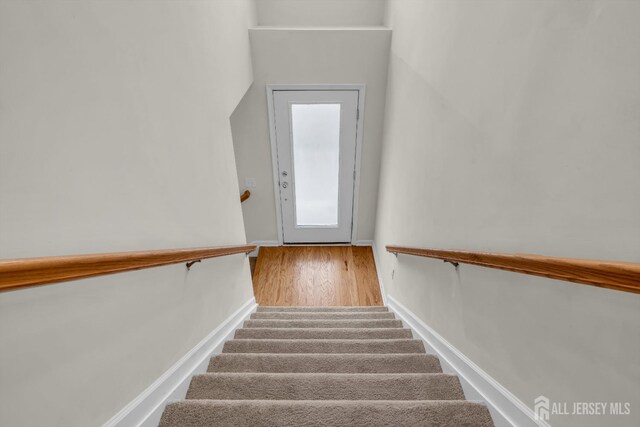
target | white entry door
[{"x": 316, "y": 143}]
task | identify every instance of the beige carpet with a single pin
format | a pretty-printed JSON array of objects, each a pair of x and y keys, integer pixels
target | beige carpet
[{"x": 324, "y": 366}]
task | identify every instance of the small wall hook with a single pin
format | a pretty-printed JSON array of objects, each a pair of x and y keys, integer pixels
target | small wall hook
[{"x": 190, "y": 263}]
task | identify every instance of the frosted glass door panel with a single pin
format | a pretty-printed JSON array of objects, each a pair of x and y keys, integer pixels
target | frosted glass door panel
[{"x": 315, "y": 132}]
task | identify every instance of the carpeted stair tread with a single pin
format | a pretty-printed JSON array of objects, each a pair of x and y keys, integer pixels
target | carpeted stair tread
[
  {"x": 323, "y": 309},
  {"x": 322, "y": 386},
  {"x": 320, "y": 315},
  {"x": 326, "y": 323},
  {"x": 322, "y": 333},
  {"x": 324, "y": 366},
  {"x": 272, "y": 413},
  {"x": 324, "y": 346},
  {"x": 325, "y": 363}
]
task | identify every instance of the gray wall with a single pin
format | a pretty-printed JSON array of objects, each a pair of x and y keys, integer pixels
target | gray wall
[
  {"x": 316, "y": 13},
  {"x": 115, "y": 136},
  {"x": 309, "y": 56},
  {"x": 513, "y": 127}
]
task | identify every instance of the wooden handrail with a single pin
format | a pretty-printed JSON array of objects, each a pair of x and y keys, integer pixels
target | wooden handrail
[
  {"x": 18, "y": 273},
  {"x": 244, "y": 196},
  {"x": 621, "y": 276}
]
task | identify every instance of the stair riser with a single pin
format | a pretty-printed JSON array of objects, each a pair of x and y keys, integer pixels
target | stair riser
[
  {"x": 322, "y": 309},
  {"x": 325, "y": 387},
  {"x": 323, "y": 346},
  {"x": 325, "y": 363},
  {"x": 317, "y": 315},
  {"x": 321, "y": 333},
  {"x": 323, "y": 324}
]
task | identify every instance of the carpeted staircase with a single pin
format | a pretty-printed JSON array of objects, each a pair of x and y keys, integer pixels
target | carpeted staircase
[{"x": 324, "y": 366}]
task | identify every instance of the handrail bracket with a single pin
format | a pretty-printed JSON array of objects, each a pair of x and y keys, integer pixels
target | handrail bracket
[{"x": 190, "y": 263}]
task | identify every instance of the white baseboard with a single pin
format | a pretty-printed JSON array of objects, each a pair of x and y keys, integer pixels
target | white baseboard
[
  {"x": 506, "y": 409},
  {"x": 146, "y": 409},
  {"x": 363, "y": 243}
]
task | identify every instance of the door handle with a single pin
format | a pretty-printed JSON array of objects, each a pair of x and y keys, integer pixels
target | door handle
[{"x": 285, "y": 184}]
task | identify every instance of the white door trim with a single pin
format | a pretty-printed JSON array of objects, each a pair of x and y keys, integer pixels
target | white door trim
[{"x": 361, "y": 88}]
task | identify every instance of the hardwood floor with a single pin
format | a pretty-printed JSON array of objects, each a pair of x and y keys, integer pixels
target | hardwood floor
[
  {"x": 316, "y": 275},
  {"x": 252, "y": 264}
]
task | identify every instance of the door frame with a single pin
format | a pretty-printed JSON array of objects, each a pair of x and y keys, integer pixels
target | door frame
[{"x": 361, "y": 89}]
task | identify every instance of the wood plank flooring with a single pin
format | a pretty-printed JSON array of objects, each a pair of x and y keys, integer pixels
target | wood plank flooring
[{"x": 316, "y": 275}]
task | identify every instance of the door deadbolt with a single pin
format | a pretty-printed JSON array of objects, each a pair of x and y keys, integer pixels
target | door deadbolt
[{"x": 284, "y": 173}]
